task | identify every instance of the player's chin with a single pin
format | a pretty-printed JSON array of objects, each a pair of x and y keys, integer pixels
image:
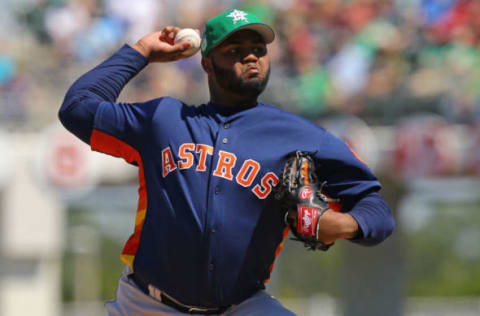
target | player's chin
[
  {"x": 255, "y": 80},
  {"x": 253, "y": 86}
]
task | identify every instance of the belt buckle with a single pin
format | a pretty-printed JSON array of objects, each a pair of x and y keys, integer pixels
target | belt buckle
[
  {"x": 154, "y": 292},
  {"x": 202, "y": 310},
  {"x": 188, "y": 308},
  {"x": 196, "y": 309},
  {"x": 158, "y": 294}
]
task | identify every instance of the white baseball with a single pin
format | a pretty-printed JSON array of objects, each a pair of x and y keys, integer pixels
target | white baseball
[{"x": 191, "y": 36}]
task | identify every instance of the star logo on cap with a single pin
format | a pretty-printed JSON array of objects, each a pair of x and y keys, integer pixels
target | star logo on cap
[{"x": 238, "y": 15}]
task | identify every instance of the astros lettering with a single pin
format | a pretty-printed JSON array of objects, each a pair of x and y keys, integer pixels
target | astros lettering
[{"x": 224, "y": 168}]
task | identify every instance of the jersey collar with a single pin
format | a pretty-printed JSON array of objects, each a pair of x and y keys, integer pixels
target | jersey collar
[{"x": 229, "y": 113}]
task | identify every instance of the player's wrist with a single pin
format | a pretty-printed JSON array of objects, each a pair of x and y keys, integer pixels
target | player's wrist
[
  {"x": 349, "y": 227},
  {"x": 142, "y": 49}
]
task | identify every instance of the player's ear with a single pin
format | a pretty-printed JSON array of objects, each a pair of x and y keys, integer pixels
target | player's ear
[{"x": 207, "y": 64}]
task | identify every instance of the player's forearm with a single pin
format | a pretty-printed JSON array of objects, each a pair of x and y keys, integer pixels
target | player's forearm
[
  {"x": 106, "y": 81},
  {"x": 103, "y": 83},
  {"x": 335, "y": 225},
  {"x": 348, "y": 226},
  {"x": 374, "y": 219}
]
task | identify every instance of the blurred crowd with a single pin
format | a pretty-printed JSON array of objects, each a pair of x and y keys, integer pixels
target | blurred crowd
[{"x": 379, "y": 60}]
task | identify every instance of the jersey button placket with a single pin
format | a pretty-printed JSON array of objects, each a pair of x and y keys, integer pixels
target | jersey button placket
[
  {"x": 217, "y": 211},
  {"x": 225, "y": 139}
]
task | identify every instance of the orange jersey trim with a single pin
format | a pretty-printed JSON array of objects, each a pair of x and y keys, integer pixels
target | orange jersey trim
[
  {"x": 278, "y": 250},
  {"x": 105, "y": 143},
  {"x": 355, "y": 153}
]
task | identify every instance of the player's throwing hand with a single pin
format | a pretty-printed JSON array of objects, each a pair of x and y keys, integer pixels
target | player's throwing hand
[{"x": 160, "y": 46}]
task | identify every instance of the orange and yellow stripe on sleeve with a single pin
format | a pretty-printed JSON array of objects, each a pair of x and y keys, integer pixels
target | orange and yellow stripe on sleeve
[{"x": 108, "y": 144}]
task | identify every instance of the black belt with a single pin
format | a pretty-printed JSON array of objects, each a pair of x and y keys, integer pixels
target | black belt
[{"x": 170, "y": 301}]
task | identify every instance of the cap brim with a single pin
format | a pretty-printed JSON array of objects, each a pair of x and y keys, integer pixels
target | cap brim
[{"x": 265, "y": 31}]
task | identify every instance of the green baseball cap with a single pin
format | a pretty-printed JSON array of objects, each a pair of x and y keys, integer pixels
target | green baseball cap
[{"x": 218, "y": 28}]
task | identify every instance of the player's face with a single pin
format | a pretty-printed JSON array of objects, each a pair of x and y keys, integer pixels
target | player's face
[{"x": 241, "y": 64}]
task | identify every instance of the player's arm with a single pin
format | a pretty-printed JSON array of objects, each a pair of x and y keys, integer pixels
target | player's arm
[
  {"x": 368, "y": 222},
  {"x": 374, "y": 218},
  {"x": 105, "y": 82},
  {"x": 102, "y": 83},
  {"x": 365, "y": 218}
]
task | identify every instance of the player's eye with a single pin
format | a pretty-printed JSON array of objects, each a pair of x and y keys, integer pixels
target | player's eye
[
  {"x": 259, "y": 50},
  {"x": 233, "y": 51}
]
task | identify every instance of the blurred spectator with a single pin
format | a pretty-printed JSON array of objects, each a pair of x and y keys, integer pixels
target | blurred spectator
[
  {"x": 472, "y": 164},
  {"x": 435, "y": 12},
  {"x": 425, "y": 147},
  {"x": 99, "y": 38},
  {"x": 140, "y": 16},
  {"x": 8, "y": 69},
  {"x": 63, "y": 22},
  {"x": 33, "y": 17},
  {"x": 12, "y": 106}
]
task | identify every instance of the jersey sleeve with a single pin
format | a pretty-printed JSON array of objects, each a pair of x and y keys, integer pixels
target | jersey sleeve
[
  {"x": 351, "y": 180},
  {"x": 123, "y": 124},
  {"x": 374, "y": 218},
  {"x": 89, "y": 109},
  {"x": 347, "y": 175}
]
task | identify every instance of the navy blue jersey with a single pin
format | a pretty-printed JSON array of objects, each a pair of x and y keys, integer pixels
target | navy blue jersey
[{"x": 207, "y": 228}]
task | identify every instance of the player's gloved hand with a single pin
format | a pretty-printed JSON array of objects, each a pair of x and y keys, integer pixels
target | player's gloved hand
[
  {"x": 160, "y": 46},
  {"x": 304, "y": 203}
]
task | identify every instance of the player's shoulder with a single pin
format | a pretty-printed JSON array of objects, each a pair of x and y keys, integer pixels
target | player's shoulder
[
  {"x": 172, "y": 104},
  {"x": 281, "y": 115},
  {"x": 167, "y": 101}
]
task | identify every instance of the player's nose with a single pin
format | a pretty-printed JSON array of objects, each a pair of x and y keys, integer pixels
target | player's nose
[{"x": 250, "y": 57}]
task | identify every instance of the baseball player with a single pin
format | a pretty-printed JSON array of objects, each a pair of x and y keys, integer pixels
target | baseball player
[{"x": 208, "y": 228}]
